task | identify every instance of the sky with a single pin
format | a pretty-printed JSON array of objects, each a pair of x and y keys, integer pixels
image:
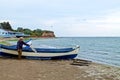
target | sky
[{"x": 67, "y": 18}]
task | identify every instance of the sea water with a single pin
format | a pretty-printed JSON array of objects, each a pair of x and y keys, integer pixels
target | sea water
[{"x": 104, "y": 50}]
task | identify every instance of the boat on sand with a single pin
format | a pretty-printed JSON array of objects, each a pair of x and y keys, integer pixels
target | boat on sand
[{"x": 40, "y": 53}]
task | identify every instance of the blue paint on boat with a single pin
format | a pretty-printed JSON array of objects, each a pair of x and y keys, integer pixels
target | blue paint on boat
[
  {"x": 39, "y": 57},
  {"x": 43, "y": 50}
]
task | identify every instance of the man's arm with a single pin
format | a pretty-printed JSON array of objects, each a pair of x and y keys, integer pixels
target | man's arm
[{"x": 25, "y": 43}]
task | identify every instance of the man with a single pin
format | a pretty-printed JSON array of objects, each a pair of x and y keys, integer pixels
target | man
[{"x": 20, "y": 44}]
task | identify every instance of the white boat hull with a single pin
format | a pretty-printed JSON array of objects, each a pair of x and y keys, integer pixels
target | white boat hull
[{"x": 40, "y": 55}]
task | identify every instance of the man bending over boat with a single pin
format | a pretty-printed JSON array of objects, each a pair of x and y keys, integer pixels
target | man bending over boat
[{"x": 20, "y": 44}]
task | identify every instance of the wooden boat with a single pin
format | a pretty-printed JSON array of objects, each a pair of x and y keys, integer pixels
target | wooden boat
[{"x": 41, "y": 53}]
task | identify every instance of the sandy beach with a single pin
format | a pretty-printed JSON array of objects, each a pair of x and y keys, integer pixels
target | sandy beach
[{"x": 13, "y": 69}]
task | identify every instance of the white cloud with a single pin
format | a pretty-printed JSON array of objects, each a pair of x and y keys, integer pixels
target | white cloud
[
  {"x": 107, "y": 25},
  {"x": 111, "y": 17}
]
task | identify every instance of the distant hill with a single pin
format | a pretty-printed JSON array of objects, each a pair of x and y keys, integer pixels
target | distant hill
[{"x": 48, "y": 34}]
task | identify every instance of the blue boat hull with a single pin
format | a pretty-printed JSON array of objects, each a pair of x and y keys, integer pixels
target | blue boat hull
[{"x": 7, "y": 55}]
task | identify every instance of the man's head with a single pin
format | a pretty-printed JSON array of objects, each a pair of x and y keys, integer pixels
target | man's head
[{"x": 21, "y": 38}]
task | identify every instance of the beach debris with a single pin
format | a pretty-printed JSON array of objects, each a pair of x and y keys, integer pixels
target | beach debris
[{"x": 80, "y": 62}]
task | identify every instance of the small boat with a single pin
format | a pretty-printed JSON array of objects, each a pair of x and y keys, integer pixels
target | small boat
[{"x": 40, "y": 53}]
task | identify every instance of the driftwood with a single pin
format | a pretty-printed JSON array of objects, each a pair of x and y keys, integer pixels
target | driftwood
[{"x": 81, "y": 62}]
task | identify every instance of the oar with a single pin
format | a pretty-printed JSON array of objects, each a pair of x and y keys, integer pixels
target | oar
[{"x": 33, "y": 49}]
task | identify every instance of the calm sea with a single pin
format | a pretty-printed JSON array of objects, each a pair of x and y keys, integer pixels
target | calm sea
[{"x": 105, "y": 50}]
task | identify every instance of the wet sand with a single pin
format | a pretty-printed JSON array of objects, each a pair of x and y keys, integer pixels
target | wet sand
[{"x": 13, "y": 69}]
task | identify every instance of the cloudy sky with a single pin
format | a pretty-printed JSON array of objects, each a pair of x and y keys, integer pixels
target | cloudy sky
[{"x": 64, "y": 17}]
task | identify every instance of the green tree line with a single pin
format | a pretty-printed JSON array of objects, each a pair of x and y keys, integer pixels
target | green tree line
[
  {"x": 6, "y": 26},
  {"x": 36, "y": 32}
]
